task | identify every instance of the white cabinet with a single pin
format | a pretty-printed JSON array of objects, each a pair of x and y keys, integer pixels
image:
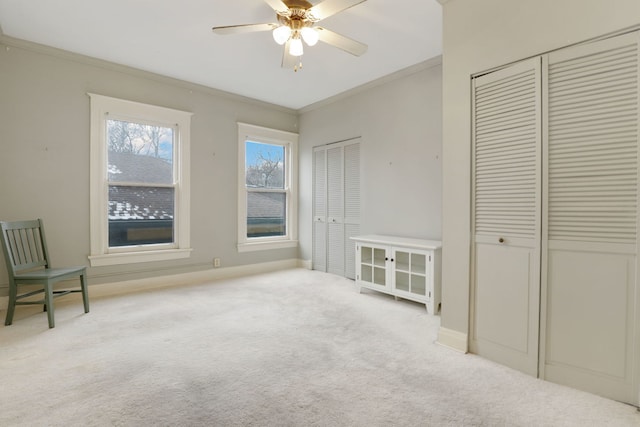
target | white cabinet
[{"x": 403, "y": 267}]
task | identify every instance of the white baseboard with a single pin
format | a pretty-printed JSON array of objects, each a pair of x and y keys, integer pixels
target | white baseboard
[
  {"x": 305, "y": 263},
  {"x": 191, "y": 278},
  {"x": 452, "y": 339},
  {"x": 195, "y": 277}
]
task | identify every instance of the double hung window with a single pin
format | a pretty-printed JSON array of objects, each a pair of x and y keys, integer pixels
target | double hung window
[
  {"x": 139, "y": 184},
  {"x": 266, "y": 180}
]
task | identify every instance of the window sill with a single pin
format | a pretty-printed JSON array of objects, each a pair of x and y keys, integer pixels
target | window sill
[
  {"x": 136, "y": 257},
  {"x": 261, "y": 246}
]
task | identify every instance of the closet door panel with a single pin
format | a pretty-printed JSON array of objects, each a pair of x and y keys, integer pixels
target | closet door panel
[
  {"x": 335, "y": 211},
  {"x": 576, "y": 307},
  {"x": 352, "y": 183},
  {"x": 351, "y": 205},
  {"x": 335, "y": 185},
  {"x": 506, "y": 217},
  {"x": 504, "y": 324},
  {"x": 320, "y": 246},
  {"x": 590, "y": 326},
  {"x": 336, "y": 253},
  {"x": 350, "y": 230},
  {"x": 319, "y": 257}
]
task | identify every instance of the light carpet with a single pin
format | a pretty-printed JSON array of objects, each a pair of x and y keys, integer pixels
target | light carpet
[{"x": 290, "y": 348}]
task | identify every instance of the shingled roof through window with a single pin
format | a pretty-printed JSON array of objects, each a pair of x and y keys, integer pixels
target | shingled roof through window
[
  {"x": 128, "y": 167},
  {"x": 265, "y": 205},
  {"x": 139, "y": 202}
]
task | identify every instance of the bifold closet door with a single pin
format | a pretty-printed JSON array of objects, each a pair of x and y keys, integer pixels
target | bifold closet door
[
  {"x": 507, "y": 215},
  {"x": 336, "y": 207},
  {"x": 590, "y": 324}
]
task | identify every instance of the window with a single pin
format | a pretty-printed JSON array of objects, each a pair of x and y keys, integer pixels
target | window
[
  {"x": 139, "y": 182},
  {"x": 267, "y": 199}
]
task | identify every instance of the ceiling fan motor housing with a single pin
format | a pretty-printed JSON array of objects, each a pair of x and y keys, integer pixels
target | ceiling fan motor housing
[
  {"x": 297, "y": 4},
  {"x": 298, "y": 16}
]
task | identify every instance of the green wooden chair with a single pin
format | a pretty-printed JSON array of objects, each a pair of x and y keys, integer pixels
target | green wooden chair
[{"x": 27, "y": 258}]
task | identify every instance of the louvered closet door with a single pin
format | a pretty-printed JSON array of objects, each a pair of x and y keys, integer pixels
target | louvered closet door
[
  {"x": 320, "y": 209},
  {"x": 590, "y": 297},
  {"x": 336, "y": 207},
  {"x": 351, "y": 205},
  {"x": 506, "y": 216},
  {"x": 335, "y": 211}
]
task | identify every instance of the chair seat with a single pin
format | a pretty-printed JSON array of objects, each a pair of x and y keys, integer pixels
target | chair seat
[{"x": 49, "y": 273}]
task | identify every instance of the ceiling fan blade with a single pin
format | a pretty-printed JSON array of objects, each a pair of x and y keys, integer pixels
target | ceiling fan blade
[
  {"x": 341, "y": 42},
  {"x": 278, "y": 6},
  {"x": 328, "y": 8},
  {"x": 247, "y": 28},
  {"x": 289, "y": 61}
]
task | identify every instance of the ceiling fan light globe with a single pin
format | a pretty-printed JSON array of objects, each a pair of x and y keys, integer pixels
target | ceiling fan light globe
[
  {"x": 310, "y": 36},
  {"x": 281, "y": 34},
  {"x": 295, "y": 47}
]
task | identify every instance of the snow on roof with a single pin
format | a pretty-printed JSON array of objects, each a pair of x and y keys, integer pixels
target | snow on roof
[{"x": 139, "y": 202}]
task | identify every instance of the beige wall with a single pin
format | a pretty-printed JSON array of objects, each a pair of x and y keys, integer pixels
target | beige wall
[
  {"x": 44, "y": 154},
  {"x": 400, "y": 123},
  {"x": 480, "y": 35}
]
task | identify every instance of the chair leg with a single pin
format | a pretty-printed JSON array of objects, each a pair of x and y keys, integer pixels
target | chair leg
[
  {"x": 48, "y": 300},
  {"x": 85, "y": 293},
  {"x": 13, "y": 292}
]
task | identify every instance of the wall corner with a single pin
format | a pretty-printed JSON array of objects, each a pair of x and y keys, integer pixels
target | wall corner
[{"x": 452, "y": 339}]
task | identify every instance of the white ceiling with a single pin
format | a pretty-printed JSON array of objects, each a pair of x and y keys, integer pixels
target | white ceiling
[{"x": 174, "y": 38}]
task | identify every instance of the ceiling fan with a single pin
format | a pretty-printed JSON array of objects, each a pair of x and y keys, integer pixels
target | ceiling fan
[{"x": 296, "y": 22}]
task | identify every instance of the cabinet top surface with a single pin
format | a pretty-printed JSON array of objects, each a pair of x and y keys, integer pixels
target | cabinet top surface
[{"x": 399, "y": 241}]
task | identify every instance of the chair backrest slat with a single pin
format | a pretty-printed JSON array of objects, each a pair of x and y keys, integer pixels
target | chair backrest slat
[
  {"x": 23, "y": 245},
  {"x": 32, "y": 245}
]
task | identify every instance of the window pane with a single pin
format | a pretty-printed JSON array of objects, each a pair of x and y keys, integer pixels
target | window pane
[
  {"x": 266, "y": 214},
  {"x": 140, "y": 215},
  {"x": 139, "y": 153},
  {"x": 264, "y": 165}
]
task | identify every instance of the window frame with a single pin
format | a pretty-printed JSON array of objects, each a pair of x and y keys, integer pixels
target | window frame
[
  {"x": 289, "y": 141},
  {"x": 104, "y": 108}
]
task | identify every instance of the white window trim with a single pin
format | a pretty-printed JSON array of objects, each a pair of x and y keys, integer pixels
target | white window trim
[
  {"x": 101, "y": 254},
  {"x": 289, "y": 140}
]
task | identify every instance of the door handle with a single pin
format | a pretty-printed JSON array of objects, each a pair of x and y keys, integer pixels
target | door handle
[{"x": 501, "y": 240}]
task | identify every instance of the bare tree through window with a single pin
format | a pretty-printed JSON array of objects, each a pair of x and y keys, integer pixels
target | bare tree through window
[
  {"x": 141, "y": 177},
  {"x": 266, "y": 193}
]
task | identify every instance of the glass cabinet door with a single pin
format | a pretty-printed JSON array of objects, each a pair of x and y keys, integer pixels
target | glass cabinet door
[
  {"x": 411, "y": 269},
  {"x": 373, "y": 265},
  {"x": 418, "y": 274},
  {"x": 403, "y": 270},
  {"x": 366, "y": 264},
  {"x": 380, "y": 266}
]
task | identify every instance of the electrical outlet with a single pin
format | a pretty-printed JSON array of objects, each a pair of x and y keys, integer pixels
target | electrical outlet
[{"x": 216, "y": 262}]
